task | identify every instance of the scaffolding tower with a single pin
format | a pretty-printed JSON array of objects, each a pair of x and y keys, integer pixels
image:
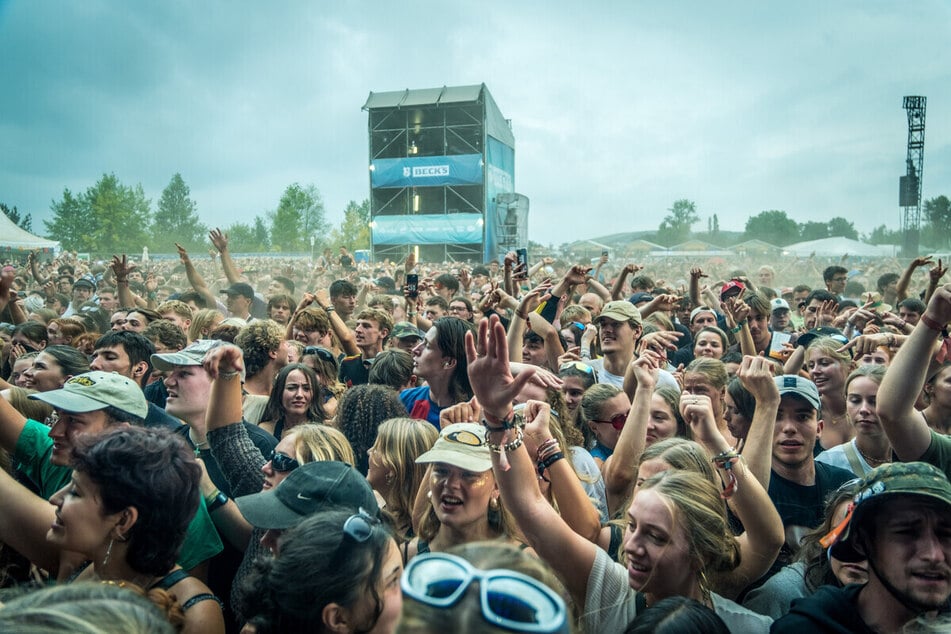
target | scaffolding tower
[{"x": 909, "y": 186}]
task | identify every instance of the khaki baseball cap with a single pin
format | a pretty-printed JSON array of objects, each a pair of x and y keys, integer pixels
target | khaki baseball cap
[
  {"x": 97, "y": 390},
  {"x": 460, "y": 445},
  {"x": 619, "y": 310}
]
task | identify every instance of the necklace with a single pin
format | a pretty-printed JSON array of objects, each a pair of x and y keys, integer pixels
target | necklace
[{"x": 873, "y": 462}]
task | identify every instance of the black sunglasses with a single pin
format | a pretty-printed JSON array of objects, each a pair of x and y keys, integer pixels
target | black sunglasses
[
  {"x": 280, "y": 462},
  {"x": 359, "y": 526},
  {"x": 323, "y": 353}
]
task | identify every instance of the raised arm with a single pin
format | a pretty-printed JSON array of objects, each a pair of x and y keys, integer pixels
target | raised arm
[
  {"x": 344, "y": 335},
  {"x": 122, "y": 267},
  {"x": 571, "y": 555},
  {"x": 906, "y": 427},
  {"x": 757, "y": 449},
  {"x": 34, "y": 269},
  {"x": 553, "y": 349},
  {"x": 620, "y": 469},
  {"x": 8, "y": 296},
  {"x": 696, "y": 274},
  {"x": 194, "y": 277},
  {"x": 901, "y": 288},
  {"x": 25, "y": 519},
  {"x": 220, "y": 240},
  {"x": 629, "y": 269},
  {"x": 764, "y": 536}
]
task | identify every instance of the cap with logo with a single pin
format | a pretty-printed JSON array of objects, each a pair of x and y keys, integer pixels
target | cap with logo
[
  {"x": 878, "y": 485},
  {"x": 460, "y": 445},
  {"x": 97, "y": 390},
  {"x": 798, "y": 386},
  {"x": 312, "y": 487},
  {"x": 406, "y": 330},
  {"x": 194, "y": 354},
  {"x": 239, "y": 288},
  {"x": 619, "y": 310},
  {"x": 778, "y": 304}
]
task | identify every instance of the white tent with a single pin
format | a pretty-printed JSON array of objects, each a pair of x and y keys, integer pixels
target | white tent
[
  {"x": 13, "y": 238},
  {"x": 830, "y": 247}
]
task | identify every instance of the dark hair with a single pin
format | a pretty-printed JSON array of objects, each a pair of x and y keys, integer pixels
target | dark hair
[
  {"x": 677, "y": 615},
  {"x": 451, "y": 340},
  {"x": 360, "y": 411},
  {"x": 448, "y": 280},
  {"x": 71, "y": 361},
  {"x": 194, "y": 297},
  {"x": 317, "y": 565},
  {"x": 745, "y": 403},
  {"x": 274, "y": 410},
  {"x": 819, "y": 295},
  {"x": 35, "y": 331},
  {"x": 155, "y": 472},
  {"x": 885, "y": 280},
  {"x": 818, "y": 569},
  {"x": 285, "y": 281},
  {"x": 913, "y": 304},
  {"x": 438, "y": 300},
  {"x": 341, "y": 287},
  {"x": 148, "y": 313},
  {"x": 136, "y": 346},
  {"x": 832, "y": 271},
  {"x": 166, "y": 333},
  {"x": 392, "y": 368}
]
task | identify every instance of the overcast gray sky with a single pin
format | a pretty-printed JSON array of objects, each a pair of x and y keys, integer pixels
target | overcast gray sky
[{"x": 618, "y": 109}]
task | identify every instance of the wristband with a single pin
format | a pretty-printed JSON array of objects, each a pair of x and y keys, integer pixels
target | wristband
[
  {"x": 508, "y": 422},
  {"x": 931, "y": 324},
  {"x": 544, "y": 449},
  {"x": 217, "y": 502},
  {"x": 737, "y": 328},
  {"x": 328, "y": 309},
  {"x": 547, "y": 462}
]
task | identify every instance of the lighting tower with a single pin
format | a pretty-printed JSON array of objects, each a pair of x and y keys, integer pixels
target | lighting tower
[{"x": 909, "y": 185}]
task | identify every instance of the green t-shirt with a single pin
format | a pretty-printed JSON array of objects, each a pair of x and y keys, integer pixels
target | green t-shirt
[
  {"x": 32, "y": 457},
  {"x": 938, "y": 453}
]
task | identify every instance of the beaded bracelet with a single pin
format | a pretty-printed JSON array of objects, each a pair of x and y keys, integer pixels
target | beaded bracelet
[
  {"x": 547, "y": 462},
  {"x": 725, "y": 460},
  {"x": 509, "y": 446}
]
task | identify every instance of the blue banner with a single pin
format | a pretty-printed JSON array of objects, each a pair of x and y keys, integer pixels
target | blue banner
[
  {"x": 428, "y": 229},
  {"x": 427, "y": 171}
]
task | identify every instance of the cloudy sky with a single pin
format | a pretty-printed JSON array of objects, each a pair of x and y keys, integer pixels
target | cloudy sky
[{"x": 618, "y": 108}]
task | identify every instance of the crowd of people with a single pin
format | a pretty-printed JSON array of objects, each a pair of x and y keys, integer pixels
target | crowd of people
[{"x": 226, "y": 444}]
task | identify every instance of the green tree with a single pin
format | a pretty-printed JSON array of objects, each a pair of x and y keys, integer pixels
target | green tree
[
  {"x": 299, "y": 215},
  {"x": 676, "y": 224},
  {"x": 883, "y": 235},
  {"x": 813, "y": 230},
  {"x": 354, "y": 229},
  {"x": 841, "y": 228},
  {"x": 24, "y": 222},
  {"x": 121, "y": 214},
  {"x": 176, "y": 219},
  {"x": 72, "y": 224},
  {"x": 248, "y": 238},
  {"x": 938, "y": 213},
  {"x": 772, "y": 226}
]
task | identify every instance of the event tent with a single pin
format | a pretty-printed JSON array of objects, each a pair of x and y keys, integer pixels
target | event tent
[{"x": 13, "y": 238}]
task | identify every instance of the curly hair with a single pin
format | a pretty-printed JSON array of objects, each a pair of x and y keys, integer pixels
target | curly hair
[
  {"x": 360, "y": 412},
  {"x": 316, "y": 565},
  {"x": 154, "y": 472},
  {"x": 312, "y": 318},
  {"x": 274, "y": 410},
  {"x": 166, "y": 333},
  {"x": 257, "y": 341}
]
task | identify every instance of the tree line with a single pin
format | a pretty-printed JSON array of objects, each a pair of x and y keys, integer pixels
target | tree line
[
  {"x": 776, "y": 227},
  {"x": 112, "y": 217}
]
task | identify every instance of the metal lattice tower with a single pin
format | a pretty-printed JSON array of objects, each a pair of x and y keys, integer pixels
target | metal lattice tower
[{"x": 909, "y": 195}]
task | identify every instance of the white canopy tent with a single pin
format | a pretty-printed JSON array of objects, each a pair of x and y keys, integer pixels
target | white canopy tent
[
  {"x": 831, "y": 247},
  {"x": 13, "y": 238}
]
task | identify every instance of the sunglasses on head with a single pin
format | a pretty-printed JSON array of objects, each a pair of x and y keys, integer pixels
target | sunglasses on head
[
  {"x": 280, "y": 462},
  {"x": 576, "y": 365},
  {"x": 617, "y": 421},
  {"x": 507, "y": 599},
  {"x": 359, "y": 526},
  {"x": 323, "y": 353}
]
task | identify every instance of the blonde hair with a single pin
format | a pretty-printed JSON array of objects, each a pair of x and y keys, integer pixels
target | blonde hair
[
  {"x": 315, "y": 443},
  {"x": 830, "y": 347},
  {"x": 695, "y": 501},
  {"x": 713, "y": 370},
  {"x": 399, "y": 442},
  {"x": 202, "y": 323}
]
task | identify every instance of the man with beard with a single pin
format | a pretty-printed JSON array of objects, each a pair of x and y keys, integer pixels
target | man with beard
[{"x": 901, "y": 522}]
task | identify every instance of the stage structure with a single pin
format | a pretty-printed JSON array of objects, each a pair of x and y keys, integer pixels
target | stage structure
[
  {"x": 909, "y": 185},
  {"x": 442, "y": 176}
]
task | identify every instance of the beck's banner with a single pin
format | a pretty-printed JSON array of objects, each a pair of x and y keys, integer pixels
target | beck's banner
[{"x": 427, "y": 171}]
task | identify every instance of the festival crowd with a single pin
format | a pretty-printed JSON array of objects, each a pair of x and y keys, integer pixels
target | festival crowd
[{"x": 225, "y": 444}]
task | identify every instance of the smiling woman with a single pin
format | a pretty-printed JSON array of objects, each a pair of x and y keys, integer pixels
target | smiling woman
[{"x": 53, "y": 367}]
